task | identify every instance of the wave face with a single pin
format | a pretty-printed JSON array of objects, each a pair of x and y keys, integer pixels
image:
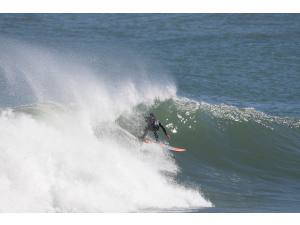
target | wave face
[
  {"x": 62, "y": 147},
  {"x": 243, "y": 159}
]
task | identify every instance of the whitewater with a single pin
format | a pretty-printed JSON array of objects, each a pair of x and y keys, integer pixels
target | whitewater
[{"x": 62, "y": 149}]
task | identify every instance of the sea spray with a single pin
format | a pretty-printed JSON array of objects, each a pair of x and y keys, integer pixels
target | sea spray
[{"x": 52, "y": 157}]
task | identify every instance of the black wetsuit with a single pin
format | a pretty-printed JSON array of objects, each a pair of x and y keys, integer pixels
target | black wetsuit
[{"x": 153, "y": 125}]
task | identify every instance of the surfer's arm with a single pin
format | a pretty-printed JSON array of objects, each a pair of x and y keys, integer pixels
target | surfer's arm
[{"x": 164, "y": 130}]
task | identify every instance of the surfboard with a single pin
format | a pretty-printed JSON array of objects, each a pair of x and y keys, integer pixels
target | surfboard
[
  {"x": 149, "y": 141},
  {"x": 166, "y": 146}
]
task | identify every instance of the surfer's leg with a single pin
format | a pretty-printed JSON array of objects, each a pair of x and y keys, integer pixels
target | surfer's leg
[{"x": 155, "y": 135}]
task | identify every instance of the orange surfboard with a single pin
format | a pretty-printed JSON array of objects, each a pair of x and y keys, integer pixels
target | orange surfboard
[{"x": 171, "y": 148}]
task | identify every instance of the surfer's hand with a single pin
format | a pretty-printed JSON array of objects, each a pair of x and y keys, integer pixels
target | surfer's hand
[{"x": 168, "y": 136}]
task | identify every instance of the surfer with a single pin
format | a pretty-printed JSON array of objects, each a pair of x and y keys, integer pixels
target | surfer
[{"x": 153, "y": 125}]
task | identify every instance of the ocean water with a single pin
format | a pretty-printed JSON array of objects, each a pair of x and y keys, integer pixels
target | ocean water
[{"x": 74, "y": 89}]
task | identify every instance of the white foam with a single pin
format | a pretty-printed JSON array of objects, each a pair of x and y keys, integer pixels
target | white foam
[{"x": 62, "y": 166}]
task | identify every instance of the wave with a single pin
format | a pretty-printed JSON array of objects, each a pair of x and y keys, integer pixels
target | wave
[{"x": 67, "y": 139}]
